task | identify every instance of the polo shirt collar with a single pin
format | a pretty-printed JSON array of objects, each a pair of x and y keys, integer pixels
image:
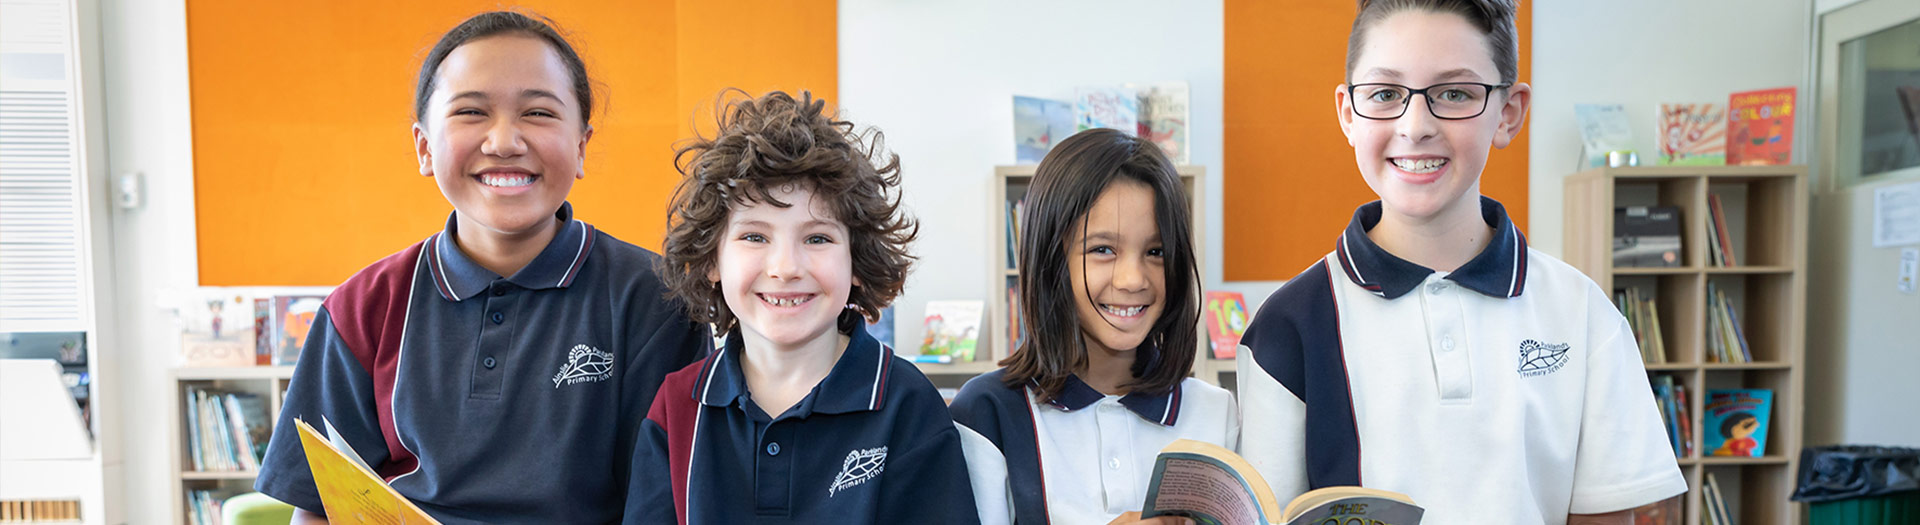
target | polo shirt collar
[
  {"x": 1499, "y": 271},
  {"x": 459, "y": 277},
  {"x": 857, "y": 382},
  {"x": 1162, "y": 408}
]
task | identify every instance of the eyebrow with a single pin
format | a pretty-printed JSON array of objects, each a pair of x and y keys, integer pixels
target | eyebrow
[
  {"x": 756, "y": 223},
  {"x": 1451, "y": 74},
  {"x": 524, "y": 94}
]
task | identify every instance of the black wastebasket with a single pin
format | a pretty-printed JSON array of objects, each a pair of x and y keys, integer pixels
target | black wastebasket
[{"x": 1851, "y": 484}]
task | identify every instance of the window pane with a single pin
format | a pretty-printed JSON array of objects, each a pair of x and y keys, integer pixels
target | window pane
[{"x": 1884, "y": 70}]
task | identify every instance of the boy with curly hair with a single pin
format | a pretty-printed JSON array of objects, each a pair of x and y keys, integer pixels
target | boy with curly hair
[{"x": 785, "y": 232}]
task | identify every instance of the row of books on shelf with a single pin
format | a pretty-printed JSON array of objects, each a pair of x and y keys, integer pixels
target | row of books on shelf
[
  {"x": 1734, "y": 422},
  {"x": 221, "y": 327},
  {"x": 1726, "y": 342},
  {"x": 1719, "y": 245},
  {"x": 1713, "y": 504},
  {"x": 1752, "y": 128},
  {"x": 226, "y": 431},
  {"x": 203, "y": 507},
  {"x": 1156, "y": 112},
  {"x": 1643, "y": 317},
  {"x": 1016, "y": 213}
]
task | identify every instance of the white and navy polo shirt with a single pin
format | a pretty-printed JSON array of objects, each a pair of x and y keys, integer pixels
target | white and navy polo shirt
[
  {"x": 1507, "y": 391},
  {"x": 872, "y": 443},
  {"x": 489, "y": 399},
  {"x": 1084, "y": 456}
]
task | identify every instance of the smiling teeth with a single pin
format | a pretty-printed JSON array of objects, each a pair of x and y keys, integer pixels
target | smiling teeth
[
  {"x": 786, "y": 302},
  {"x": 506, "y": 181},
  {"x": 1419, "y": 166},
  {"x": 1123, "y": 312}
]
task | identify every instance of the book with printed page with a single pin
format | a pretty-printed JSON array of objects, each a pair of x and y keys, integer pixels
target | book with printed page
[
  {"x": 1226, "y": 319},
  {"x": 1735, "y": 422},
  {"x": 1215, "y": 486},
  {"x": 216, "y": 329},
  {"x": 293, "y": 317},
  {"x": 351, "y": 492},
  {"x": 1691, "y": 135},
  {"x": 1760, "y": 127},
  {"x": 1603, "y": 128}
]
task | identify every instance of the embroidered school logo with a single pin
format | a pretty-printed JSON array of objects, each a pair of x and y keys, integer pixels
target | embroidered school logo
[
  {"x": 1538, "y": 359},
  {"x": 860, "y": 467},
  {"x": 585, "y": 364}
]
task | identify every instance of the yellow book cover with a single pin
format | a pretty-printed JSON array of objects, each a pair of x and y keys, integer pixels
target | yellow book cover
[{"x": 351, "y": 492}]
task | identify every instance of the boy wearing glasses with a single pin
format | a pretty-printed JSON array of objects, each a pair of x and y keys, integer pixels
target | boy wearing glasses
[{"x": 1431, "y": 352}]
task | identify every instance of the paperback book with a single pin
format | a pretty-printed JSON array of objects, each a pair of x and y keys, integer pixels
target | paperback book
[
  {"x": 1736, "y": 420},
  {"x": 1107, "y": 107},
  {"x": 349, "y": 489},
  {"x": 1214, "y": 486},
  {"x": 217, "y": 329},
  {"x": 1760, "y": 127},
  {"x": 1692, "y": 135},
  {"x": 952, "y": 331},
  {"x": 1163, "y": 118},
  {"x": 1038, "y": 124},
  {"x": 1603, "y": 128},
  {"x": 293, "y": 317},
  {"x": 1226, "y": 319}
]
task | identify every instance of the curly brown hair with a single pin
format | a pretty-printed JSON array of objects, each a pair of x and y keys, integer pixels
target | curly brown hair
[{"x": 762, "y": 144}]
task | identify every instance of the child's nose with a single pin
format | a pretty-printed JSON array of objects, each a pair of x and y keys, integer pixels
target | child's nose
[
  {"x": 1418, "y": 123},
  {"x": 783, "y": 262},
  {"x": 504, "y": 140},
  {"x": 1130, "y": 274}
]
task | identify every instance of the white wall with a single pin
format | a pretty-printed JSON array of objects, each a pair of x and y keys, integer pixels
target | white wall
[
  {"x": 1641, "y": 53},
  {"x": 149, "y": 130},
  {"x": 939, "y": 79}
]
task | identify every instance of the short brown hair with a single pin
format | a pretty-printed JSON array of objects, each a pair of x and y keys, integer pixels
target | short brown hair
[
  {"x": 1494, "y": 18},
  {"x": 1065, "y": 187},
  {"x": 760, "y": 145}
]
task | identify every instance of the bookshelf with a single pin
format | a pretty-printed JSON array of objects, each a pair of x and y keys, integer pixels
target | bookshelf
[
  {"x": 1765, "y": 212},
  {"x": 1009, "y": 186},
  {"x": 268, "y": 382}
]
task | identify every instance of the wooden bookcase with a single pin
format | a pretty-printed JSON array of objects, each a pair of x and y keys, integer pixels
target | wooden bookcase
[
  {"x": 1009, "y": 186},
  {"x": 1765, "y": 209},
  {"x": 268, "y": 382}
]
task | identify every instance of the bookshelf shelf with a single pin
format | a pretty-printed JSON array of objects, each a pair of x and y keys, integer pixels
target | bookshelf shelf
[
  {"x": 1764, "y": 221},
  {"x": 1010, "y": 187},
  {"x": 268, "y": 382}
]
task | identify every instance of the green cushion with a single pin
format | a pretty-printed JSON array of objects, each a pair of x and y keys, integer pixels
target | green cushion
[{"x": 254, "y": 508}]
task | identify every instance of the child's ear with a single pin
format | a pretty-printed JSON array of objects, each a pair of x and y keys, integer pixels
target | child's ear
[
  {"x": 1343, "y": 111},
  {"x": 1513, "y": 113},
  {"x": 584, "y": 135},
  {"x": 713, "y": 275},
  {"x": 422, "y": 150}
]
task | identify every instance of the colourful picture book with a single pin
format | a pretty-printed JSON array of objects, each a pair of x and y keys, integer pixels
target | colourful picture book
[
  {"x": 1691, "y": 135},
  {"x": 1760, "y": 127},
  {"x": 1735, "y": 422},
  {"x": 952, "y": 331},
  {"x": 1226, "y": 319},
  {"x": 1163, "y": 118},
  {"x": 216, "y": 329},
  {"x": 349, "y": 489},
  {"x": 1107, "y": 107},
  {"x": 1038, "y": 124},
  {"x": 293, "y": 317}
]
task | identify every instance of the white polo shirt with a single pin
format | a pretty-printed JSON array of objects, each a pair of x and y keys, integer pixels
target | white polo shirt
[
  {"x": 1507, "y": 391},
  {"x": 1084, "y": 457}
]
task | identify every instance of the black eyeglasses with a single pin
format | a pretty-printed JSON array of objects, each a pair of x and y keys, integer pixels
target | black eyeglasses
[{"x": 1448, "y": 101}]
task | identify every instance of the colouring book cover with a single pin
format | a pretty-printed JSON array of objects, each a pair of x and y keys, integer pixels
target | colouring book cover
[
  {"x": 1735, "y": 422},
  {"x": 1760, "y": 127},
  {"x": 1038, "y": 124},
  {"x": 1692, "y": 135}
]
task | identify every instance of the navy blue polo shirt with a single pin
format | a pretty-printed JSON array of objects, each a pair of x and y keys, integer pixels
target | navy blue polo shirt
[
  {"x": 1508, "y": 390},
  {"x": 485, "y": 398},
  {"x": 872, "y": 443}
]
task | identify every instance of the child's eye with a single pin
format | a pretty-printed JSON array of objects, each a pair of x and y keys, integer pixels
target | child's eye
[
  {"x": 1103, "y": 250},
  {"x": 819, "y": 239},
  {"x": 1456, "y": 95},
  {"x": 1156, "y": 252},
  {"x": 753, "y": 237},
  {"x": 541, "y": 113},
  {"x": 1384, "y": 95},
  {"x": 468, "y": 111}
]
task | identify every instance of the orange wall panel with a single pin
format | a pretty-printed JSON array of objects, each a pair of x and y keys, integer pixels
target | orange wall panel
[
  {"x": 1289, "y": 176},
  {"x": 303, "y": 159}
]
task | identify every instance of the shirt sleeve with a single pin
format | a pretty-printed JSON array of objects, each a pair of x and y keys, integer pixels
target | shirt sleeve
[
  {"x": 664, "y": 341},
  {"x": 931, "y": 486},
  {"x": 328, "y": 382},
  {"x": 1624, "y": 460},
  {"x": 987, "y": 471},
  {"x": 650, "y": 491},
  {"x": 1271, "y": 411}
]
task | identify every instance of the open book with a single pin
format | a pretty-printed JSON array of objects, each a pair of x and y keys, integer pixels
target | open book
[
  {"x": 350, "y": 490},
  {"x": 1215, "y": 486}
]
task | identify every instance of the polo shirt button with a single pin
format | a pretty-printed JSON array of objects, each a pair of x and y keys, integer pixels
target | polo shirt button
[
  {"x": 499, "y": 318},
  {"x": 1436, "y": 288},
  {"x": 499, "y": 291},
  {"x": 488, "y": 362},
  {"x": 1113, "y": 463},
  {"x": 773, "y": 449},
  {"x": 1446, "y": 343}
]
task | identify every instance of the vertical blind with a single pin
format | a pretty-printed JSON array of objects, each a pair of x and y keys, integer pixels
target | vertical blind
[{"x": 41, "y": 213}]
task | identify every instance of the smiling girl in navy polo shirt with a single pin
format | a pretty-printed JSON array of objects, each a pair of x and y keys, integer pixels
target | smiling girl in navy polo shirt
[
  {"x": 1067, "y": 431},
  {"x": 785, "y": 232}
]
